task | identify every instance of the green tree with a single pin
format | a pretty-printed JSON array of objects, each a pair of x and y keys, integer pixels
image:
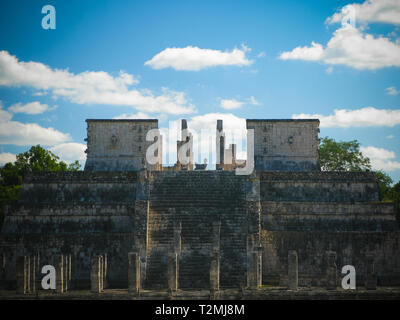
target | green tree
[
  {"x": 384, "y": 184},
  {"x": 346, "y": 156},
  {"x": 342, "y": 156},
  {"x": 35, "y": 160}
]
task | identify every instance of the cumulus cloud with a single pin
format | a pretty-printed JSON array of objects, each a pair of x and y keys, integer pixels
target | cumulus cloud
[
  {"x": 382, "y": 11},
  {"x": 29, "y": 108},
  {"x": 381, "y": 159},
  {"x": 364, "y": 117},
  {"x": 392, "y": 91},
  {"x": 69, "y": 152},
  {"x": 139, "y": 115},
  {"x": 313, "y": 53},
  {"x": 6, "y": 157},
  {"x": 350, "y": 47},
  {"x": 195, "y": 59},
  {"x": 23, "y": 134},
  {"x": 89, "y": 87},
  {"x": 230, "y": 104}
]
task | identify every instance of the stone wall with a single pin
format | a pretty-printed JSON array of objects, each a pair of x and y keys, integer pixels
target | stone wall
[
  {"x": 73, "y": 202},
  {"x": 81, "y": 247},
  {"x": 291, "y": 145},
  {"x": 351, "y": 248},
  {"x": 118, "y": 145},
  {"x": 349, "y": 187},
  {"x": 158, "y": 214},
  {"x": 77, "y": 213},
  {"x": 328, "y": 216}
]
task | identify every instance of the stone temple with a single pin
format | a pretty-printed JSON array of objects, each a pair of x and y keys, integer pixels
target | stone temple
[{"x": 127, "y": 223}]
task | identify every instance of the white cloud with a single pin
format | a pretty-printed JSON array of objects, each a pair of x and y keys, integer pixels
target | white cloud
[
  {"x": 194, "y": 58},
  {"x": 381, "y": 158},
  {"x": 383, "y": 11},
  {"x": 69, "y": 152},
  {"x": 139, "y": 115},
  {"x": 90, "y": 87},
  {"x": 230, "y": 104},
  {"x": 209, "y": 121},
  {"x": 313, "y": 53},
  {"x": 350, "y": 47},
  {"x": 22, "y": 134},
  {"x": 7, "y": 157},
  {"x": 254, "y": 102},
  {"x": 392, "y": 91},
  {"x": 261, "y": 55},
  {"x": 365, "y": 117},
  {"x": 29, "y": 108}
]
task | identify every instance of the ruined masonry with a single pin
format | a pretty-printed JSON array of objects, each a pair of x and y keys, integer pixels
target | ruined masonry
[{"x": 126, "y": 223}]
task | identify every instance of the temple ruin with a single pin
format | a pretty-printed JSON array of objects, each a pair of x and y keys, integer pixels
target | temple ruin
[{"x": 127, "y": 223}]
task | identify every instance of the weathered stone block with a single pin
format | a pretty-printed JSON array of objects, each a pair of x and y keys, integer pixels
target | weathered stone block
[
  {"x": 32, "y": 273},
  {"x": 101, "y": 272},
  {"x": 2, "y": 270},
  {"x": 173, "y": 271},
  {"x": 21, "y": 274},
  {"x": 293, "y": 270},
  {"x": 331, "y": 272},
  {"x": 59, "y": 266},
  {"x": 134, "y": 273},
  {"x": 255, "y": 268},
  {"x": 65, "y": 272},
  {"x": 105, "y": 267},
  {"x": 370, "y": 275},
  {"x": 95, "y": 284},
  {"x": 214, "y": 271}
]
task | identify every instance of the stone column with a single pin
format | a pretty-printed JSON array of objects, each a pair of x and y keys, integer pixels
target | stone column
[
  {"x": 65, "y": 272},
  {"x": 38, "y": 274},
  {"x": 59, "y": 266},
  {"x": 69, "y": 273},
  {"x": 177, "y": 237},
  {"x": 370, "y": 275},
  {"x": 134, "y": 273},
  {"x": 173, "y": 271},
  {"x": 27, "y": 274},
  {"x": 105, "y": 267},
  {"x": 255, "y": 268},
  {"x": 95, "y": 275},
  {"x": 214, "y": 271},
  {"x": 2, "y": 270},
  {"x": 216, "y": 236},
  {"x": 331, "y": 272},
  {"x": 293, "y": 269},
  {"x": 32, "y": 273},
  {"x": 101, "y": 269},
  {"x": 21, "y": 274}
]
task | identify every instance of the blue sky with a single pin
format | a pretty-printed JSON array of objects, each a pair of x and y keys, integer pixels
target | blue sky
[{"x": 205, "y": 60}]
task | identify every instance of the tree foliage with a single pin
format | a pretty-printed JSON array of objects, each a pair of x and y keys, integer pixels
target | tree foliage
[
  {"x": 342, "y": 156},
  {"x": 36, "y": 159},
  {"x": 346, "y": 156}
]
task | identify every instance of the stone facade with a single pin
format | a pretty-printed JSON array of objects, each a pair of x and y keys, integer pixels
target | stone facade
[
  {"x": 290, "y": 145},
  {"x": 201, "y": 229},
  {"x": 118, "y": 145}
]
